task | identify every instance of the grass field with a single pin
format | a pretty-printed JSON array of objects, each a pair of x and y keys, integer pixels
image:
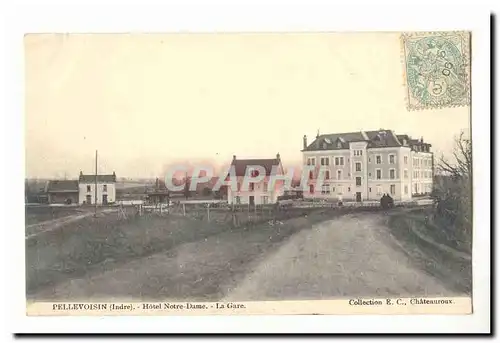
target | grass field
[
  {"x": 93, "y": 245},
  {"x": 436, "y": 261},
  {"x": 38, "y": 214}
]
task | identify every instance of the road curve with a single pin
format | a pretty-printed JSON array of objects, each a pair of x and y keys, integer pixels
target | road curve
[{"x": 352, "y": 256}]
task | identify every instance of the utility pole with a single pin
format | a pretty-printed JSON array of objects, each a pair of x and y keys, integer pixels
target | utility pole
[{"x": 95, "y": 191}]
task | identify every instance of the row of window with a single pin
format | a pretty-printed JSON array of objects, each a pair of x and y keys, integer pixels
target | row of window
[
  {"x": 263, "y": 200},
  {"x": 422, "y": 162},
  {"x": 425, "y": 174},
  {"x": 104, "y": 188},
  {"x": 339, "y": 161},
  {"x": 327, "y": 189},
  {"x": 378, "y": 175},
  {"x": 251, "y": 186}
]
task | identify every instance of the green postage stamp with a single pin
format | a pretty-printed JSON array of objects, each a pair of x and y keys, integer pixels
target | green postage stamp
[{"x": 437, "y": 69}]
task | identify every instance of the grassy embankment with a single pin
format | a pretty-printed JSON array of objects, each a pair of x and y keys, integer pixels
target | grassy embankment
[{"x": 431, "y": 248}]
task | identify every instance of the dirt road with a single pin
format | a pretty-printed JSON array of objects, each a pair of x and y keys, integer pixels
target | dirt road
[{"x": 353, "y": 255}]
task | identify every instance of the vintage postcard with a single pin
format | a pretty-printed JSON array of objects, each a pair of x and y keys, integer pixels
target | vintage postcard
[{"x": 248, "y": 173}]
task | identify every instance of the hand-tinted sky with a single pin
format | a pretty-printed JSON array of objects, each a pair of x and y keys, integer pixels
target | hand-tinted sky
[{"x": 148, "y": 101}]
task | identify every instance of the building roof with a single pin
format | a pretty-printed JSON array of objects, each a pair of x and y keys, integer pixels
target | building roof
[
  {"x": 240, "y": 166},
  {"x": 376, "y": 139},
  {"x": 104, "y": 178},
  {"x": 60, "y": 186}
]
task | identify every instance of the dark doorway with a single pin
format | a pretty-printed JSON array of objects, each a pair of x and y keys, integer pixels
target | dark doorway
[
  {"x": 251, "y": 200},
  {"x": 104, "y": 199},
  {"x": 358, "y": 196},
  {"x": 89, "y": 199}
]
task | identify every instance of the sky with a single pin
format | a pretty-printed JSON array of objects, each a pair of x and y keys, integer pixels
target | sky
[{"x": 149, "y": 101}]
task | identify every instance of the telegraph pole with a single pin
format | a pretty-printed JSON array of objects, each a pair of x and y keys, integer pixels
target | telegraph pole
[{"x": 95, "y": 191}]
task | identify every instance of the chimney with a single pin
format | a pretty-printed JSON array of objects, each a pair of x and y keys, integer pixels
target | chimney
[
  {"x": 278, "y": 157},
  {"x": 305, "y": 141},
  {"x": 234, "y": 157},
  {"x": 81, "y": 173},
  {"x": 317, "y": 134},
  {"x": 421, "y": 139}
]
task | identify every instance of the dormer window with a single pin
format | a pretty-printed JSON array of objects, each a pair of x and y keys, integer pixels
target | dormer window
[
  {"x": 339, "y": 144},
  {"x": 324, "y": 146}
]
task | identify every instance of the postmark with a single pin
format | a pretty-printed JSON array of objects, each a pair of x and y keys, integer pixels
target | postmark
[{"x": 436, "y": 69}]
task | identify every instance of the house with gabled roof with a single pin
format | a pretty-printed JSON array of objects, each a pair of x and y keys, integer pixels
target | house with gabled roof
[
  {"x": 62, "y": 192},
  {"x": 364, "y": 165},
  {"x": 262, "y": 192},
  {"x": 106, "y": 188}
]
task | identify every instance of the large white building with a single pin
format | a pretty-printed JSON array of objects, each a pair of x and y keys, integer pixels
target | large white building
[
  {"x": 359, "y": 166},
  {"x": 258, "y": 193},
  {"x": 106, "y": 189}
]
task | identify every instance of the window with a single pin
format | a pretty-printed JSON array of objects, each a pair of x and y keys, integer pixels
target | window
[
  {"x": 325, "y": 189},
  {"x": 311, "y": 161},
  {"x": 311, "y": 175},
  {"x": 378, "y": 159},
  {"x": 311, "y": 189},
  {"x": 405, "y": 173},
  {"x": 88, "y": 188},
  {"x": 339, "y": 144},
  {"x": 254, "y": 173},
  {"x": 358, "y": 181},
  {"x": 239, "y": 186},
  {"x": 327, "y": 174},
  {"x": 325, "y": 161},
  {"x": 264, "y": 186},
  {"x": 340, "y": 189},
  {"x": 406, "y": 189},
  {"x": 251, "y": 186},
  {"x": 237, "y": 200},
  {"x": 392, "y": 174},
  {"x": 358, "y": 152},
  {"x": 105, "y": 188},
  {"x": 391, "y": 159},
  {"x": 339, "y": 174},
  {"x": 358, "y": 166},
  {"x": 370, "y": 189},
  {"x": 265, "y": 199},
  {"x": 405, "y": 159},
  {"x": 379, "y": 190},
  {"x": 379, "y": 174},
  {"x": 333, "y": 189},
  {"x": 339, "y": 161},
  {"x": 348, "y": 189},
  {"x": 393, "y": 189}
]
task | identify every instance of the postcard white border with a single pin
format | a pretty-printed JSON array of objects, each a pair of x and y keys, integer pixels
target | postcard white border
[{"x": 89, "y": 16}]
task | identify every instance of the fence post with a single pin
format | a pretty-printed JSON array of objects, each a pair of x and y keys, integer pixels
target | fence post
[
  {"x": 184, "y": 209},
  {"x": 208, "y": 211}
]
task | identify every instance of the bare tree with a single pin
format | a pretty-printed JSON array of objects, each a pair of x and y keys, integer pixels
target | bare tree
[
  {"x": 461, "y": 165},
  {"x": 453, "y": 192}
]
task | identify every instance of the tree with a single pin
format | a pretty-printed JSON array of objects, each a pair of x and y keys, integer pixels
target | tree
[
  {"x": 461, "y": 165},
  {"x": 452, "y": 192}
]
